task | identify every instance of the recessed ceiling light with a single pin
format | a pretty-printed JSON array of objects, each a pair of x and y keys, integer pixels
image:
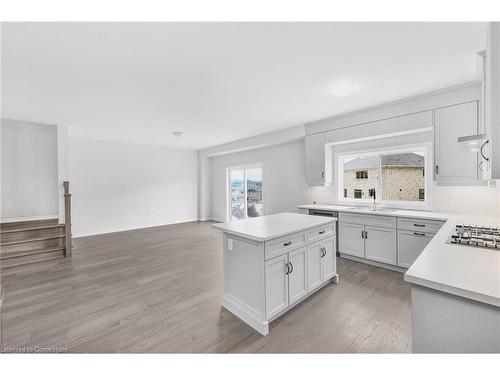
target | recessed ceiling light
[
  {"x": 343, "y": 88},
  {"x": 177, "y": 133}
]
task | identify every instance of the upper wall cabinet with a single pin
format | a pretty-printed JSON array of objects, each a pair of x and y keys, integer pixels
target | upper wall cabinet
[
  {"x": 318, "y": 160},
  {"x": 452, "y": 164}
]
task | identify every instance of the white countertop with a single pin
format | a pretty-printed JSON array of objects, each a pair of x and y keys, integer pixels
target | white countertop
[
  {"x": 466, "y": 271},
  {"x": 268, "y": 227},
  {"x": 420, "y": 214}
]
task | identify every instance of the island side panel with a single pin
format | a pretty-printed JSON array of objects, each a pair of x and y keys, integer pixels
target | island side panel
[
  {"x": 444, "y": 323},
  {"x": 244, "y": 284}
]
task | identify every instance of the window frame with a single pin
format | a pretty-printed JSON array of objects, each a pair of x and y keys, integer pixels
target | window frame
[
  {"x": 426, "y": 204},
  {"x": 228, "y": 188}
]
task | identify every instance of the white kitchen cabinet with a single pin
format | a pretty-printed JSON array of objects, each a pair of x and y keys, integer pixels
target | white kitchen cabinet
[
  {"x": 410, "y": 245},
  {"x": 351, "y": 240},
  {"x": 380, "y": 244},
  {"x": 297, "y": 276},
  {"x": 328, "y": 265},
  {"x": 276, "y": 285},
  {"x": 314, "y": 260},
  {"x": 321, "y": 262},
  {"x": 452, "y": 164},
  {"x": 315, "y": 159}
]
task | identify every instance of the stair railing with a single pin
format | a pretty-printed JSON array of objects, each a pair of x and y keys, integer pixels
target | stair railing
[{"x": 67, "y": 219}]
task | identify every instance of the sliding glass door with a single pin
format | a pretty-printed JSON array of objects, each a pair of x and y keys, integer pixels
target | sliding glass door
[{"x": 245, "y": 193}]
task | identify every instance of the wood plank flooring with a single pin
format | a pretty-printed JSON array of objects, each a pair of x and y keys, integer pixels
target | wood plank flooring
[{"x": 159, "y": 290}]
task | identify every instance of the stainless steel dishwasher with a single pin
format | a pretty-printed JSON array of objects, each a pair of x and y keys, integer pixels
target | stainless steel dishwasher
[{"x": 330, "y": 214}]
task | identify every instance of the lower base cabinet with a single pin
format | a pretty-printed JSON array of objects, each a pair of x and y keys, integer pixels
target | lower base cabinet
[
  {"x": 290, "y": 277},
  {"x": 321, "y": 264},
  {"x": 380, "y": 244},
  {"x": 276, "y": 285},
  {"x": 351, "y": 239},
  {"x": 410, "y": 245}
]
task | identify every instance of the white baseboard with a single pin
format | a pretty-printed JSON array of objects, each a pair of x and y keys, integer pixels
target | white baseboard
[
  {"x": 28, "y": 218},
  {"x": 124, "y": 229}
]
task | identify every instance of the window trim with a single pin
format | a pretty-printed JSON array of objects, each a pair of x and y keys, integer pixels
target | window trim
[
  {"x": 426, "y": 204},
  {"x": 228, "y": 188}
]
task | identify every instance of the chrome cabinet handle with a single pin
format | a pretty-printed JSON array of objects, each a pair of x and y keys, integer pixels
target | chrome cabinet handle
[
  {"x": 322, "y": 231},
  {"x": 291, "y": 265},
  {"x": 323, "y": 251},
  {"x": 418, "y": 225},
  {"x": 287, "y": 269},
  {"x": 288, "y": 243},
  {"x": 362, "y": 234},
  {"x": 418, "y": 234},
  {"x": 323, "y": 174},
  {"x": 366, "y": 234}
]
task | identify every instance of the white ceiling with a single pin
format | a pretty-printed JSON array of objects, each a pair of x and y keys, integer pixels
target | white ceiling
[{"x": 218, "y": 82}]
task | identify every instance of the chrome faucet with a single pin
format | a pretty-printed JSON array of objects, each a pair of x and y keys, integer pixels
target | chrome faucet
[{"x": 372, "y": 193}]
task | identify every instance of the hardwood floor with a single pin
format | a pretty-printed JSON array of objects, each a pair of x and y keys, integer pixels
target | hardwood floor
[{"x": 159, "y": 290}]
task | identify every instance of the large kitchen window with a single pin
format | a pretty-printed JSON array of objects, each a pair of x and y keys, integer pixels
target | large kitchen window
[
  {"x": 398, "y": 177},
  {"x": 245, "y": 193}
]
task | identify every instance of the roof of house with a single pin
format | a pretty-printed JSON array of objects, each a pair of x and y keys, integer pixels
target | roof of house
[{"x": 408, "y": 159}]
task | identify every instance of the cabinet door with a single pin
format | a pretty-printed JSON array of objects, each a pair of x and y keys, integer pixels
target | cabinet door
[
  {"x": 328, "y": 261},
  {"x": 297, "y": 278},
  {"x": 410, "y": 245},
  {"x": 315, "y": 159},
  {"x": 276, "y": 285},
  {"x": 452, "y": 163},
  {"x": 313, "y": 266},
  {"x": 351, "y": 239},
  {"x": 380, "y": 244}
]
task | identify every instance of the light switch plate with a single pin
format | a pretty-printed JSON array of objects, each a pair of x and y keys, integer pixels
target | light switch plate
[{"x": 230, "y": 244}]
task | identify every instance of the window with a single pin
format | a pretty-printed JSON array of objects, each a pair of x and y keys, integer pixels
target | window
[
  {"x": 361, "y": 175},
  {"x": 245, "y": 193},
  {"x": 398, "y": 176},
  {"x": 421, "y": 194}
]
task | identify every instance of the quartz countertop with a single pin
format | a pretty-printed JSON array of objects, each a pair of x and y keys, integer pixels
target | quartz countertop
[
  {"x": 466, "y": 271},
  {"x": 420, "y": 214},
  {"x": 268, "y": 227}
]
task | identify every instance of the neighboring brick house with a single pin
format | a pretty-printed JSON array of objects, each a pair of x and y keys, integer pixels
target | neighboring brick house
[{"x": 403, "y": 177}]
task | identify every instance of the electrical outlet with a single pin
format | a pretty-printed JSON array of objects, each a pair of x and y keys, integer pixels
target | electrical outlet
[{"x": 230, "y": 245}]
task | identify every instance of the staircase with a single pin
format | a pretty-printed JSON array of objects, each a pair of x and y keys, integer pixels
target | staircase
[{"x": 36, "y": 240}]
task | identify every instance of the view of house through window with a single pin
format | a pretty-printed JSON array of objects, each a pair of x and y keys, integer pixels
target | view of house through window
[
  {"x": 245, "y": 198},
  {"x": 398, "y": 176}
]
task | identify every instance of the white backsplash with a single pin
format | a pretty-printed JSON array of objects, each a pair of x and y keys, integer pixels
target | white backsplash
[{"x": 474, "y": 200}]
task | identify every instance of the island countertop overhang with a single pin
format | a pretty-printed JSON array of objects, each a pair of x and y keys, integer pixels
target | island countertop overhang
[{"x": 269, "y": 227}]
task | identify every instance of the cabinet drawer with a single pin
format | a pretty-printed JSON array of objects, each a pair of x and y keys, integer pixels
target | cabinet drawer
[
  {"x": 319, "y": 233},
  {"x": 284, "y": 244},
  {"x": 373, "y": 220},
  {"x": 421, "y": 225},
  {"x": 410, "y": 245}
]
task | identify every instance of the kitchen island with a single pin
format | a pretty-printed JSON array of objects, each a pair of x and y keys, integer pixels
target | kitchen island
[{"x": 272, "y": 263}]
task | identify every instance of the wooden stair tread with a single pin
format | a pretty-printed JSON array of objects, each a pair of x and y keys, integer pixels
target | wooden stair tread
[
  {"x": 53, "y": 237},
  {"x": 28, "y": 224},
  {"x": 5, "y": 231},
  {"x": 31, "y": 252}
]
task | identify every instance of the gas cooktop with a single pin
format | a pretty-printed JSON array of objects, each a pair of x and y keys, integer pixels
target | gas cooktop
[{"x": 472, "y": 235}]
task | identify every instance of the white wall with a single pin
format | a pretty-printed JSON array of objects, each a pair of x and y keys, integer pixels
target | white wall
[
  {"x": 29, "y": 178},
  {"x": 285, "y": 187},
  {"x": 119, "y": 186},
  {"x": 283, "y": 177}
]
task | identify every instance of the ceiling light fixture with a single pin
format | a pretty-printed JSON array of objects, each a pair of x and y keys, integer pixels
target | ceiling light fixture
[
  {"x": 343, "y": 88},
  {"x": 177, "y": 133}
]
